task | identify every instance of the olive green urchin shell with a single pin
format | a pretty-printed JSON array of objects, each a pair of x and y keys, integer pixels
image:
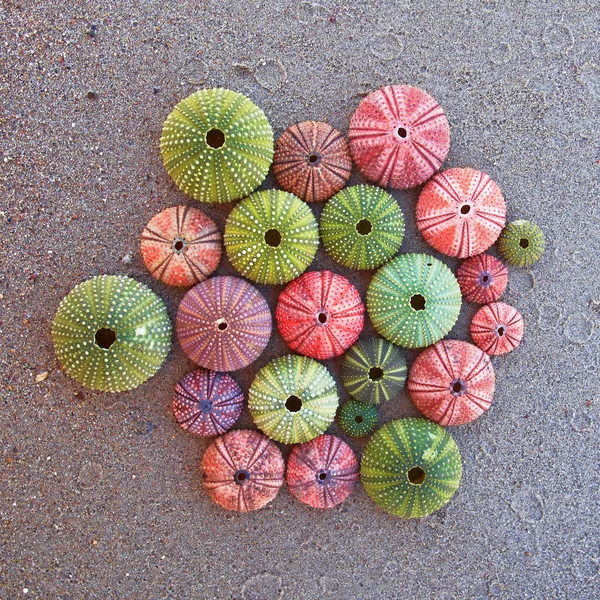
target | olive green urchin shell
[
  {"x": 411, "y": 467},
  {"x": 362, "y": 227},
  {"x": 217, "y": 145},
  {"x": 414, "y": 300},
  {"x": 271, "y": 237},
  {"x": 111, "y": 333},
  {"x": 373, "y": 371},
  {"x": 358, "y": 419},
  {"x": 293, "y": 399},
  {"x": 521, "y": 243}
]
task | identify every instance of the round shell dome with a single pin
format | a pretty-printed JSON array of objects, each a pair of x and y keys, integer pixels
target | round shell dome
[
  {"x": 357, "y": 419},
  {"x": 521, "y": 243},
  {"x": 482, "y": 278},
  {"x": 497, "y": 328}
]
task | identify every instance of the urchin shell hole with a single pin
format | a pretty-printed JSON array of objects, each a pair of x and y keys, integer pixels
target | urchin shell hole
[
  {"x": 206, "y": 406},
  {"x": 524, "y": 243},
  {"x": 416, "y": 475},
  {"x": 458, "y": 387},
  {"x": 402, "y": 132},
  {"x": 375, "y": 373},
  {"x": 364, "y": 227},
  {"x": 359, "y": 419},
  {"x": 241, "y": 476},
  {"x": 293, "y": 403},
  {"x": 322, "y": 317},
  {"x": 485, "y": 278},
  {"x": 323, "y": 476},
  {"x": 273, "y": 238},
  {"x": 314, "y": 159},
  {"x": 178, "y": 245},
  {"x": 418, "y": 302},
  {"x": 105, "y": 337},
  {"x": 500, "y": 330},
  {"x": 221, "y": 324},
  {"x": 215, "y": 138},
  {"x": 465, "y": 209}
]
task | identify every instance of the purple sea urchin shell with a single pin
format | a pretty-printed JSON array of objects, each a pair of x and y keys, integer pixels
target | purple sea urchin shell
[{"x": 482, "y": 278}]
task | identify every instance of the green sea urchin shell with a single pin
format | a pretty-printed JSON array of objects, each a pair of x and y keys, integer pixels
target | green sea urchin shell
[
  {"x": 357, "y": 419},
  {"x": 271, "y": 237},
  {"x": 217, "y": 145},
  {"x": 362, "y": 227},
  {"x": 411, "y": 467},
  {"x": 521, "y": 243},
  {"x": 413, "y": 300},
  {"x": 293, "y": 399},
  {"x": 111, "y": 333}
]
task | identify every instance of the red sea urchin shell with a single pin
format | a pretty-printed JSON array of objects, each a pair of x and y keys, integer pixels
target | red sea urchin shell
[
  {"x": 320, "y": 314},
  {"x": 461, "y": 212},
  {"x": 399, "y": 136},
  {"x": 452, "y": 382},
  {"x": 181, "y": 246},
  {"x": 497, "y": 328},
  {"x": 482, "y": 278},
  {"x": 223, "y": 323},
  {"x": 312, "y": 160},
  {"x": 242, "y": 470},
  {"x": 322, "y": 473}
]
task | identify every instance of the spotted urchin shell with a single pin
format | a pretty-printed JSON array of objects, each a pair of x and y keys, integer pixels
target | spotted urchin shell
[
  {"x": 399, "y": 136},
  {"x": 482, "y": 278},
  {"x": 312, "y": 160},
  {"x": 223, "y": 323},
  {"x": 242, "y": 470},
  {"x": 323, "y": 472},
  {"x": 320, "y": 314},
  {"x": 357, "y": 419},
  {"x": 111, "y": 333},
  {"x": 411, "y": 467},
  {"x": 461, "y": 212},
  {"x": 521, "y": 243},
  {"x": 181, "y": 246},
  {"x": 452, "y": 383},
  {"x": 271, "y": 237},
  {"x": 217, "y": 145},
  {"x": 497, "y": 328},
  {"x": 207, "y": 403},
  {"x": 373, "y": 371},
  {"x": 362, "y": 227},
  {"x": 293, "y": 399},
  {"x": 413, "y": 300}
]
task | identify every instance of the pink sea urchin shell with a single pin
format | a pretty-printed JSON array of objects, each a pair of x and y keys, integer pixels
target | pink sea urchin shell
[
  {"x": 497, "y": 328},
  {"x": 399, "y": 136},
  {"x": 320, "y": 314},
  {"x": 482, "y": 278},
  {"x": 452, "y": 382},
  {"x": 323, "y": 472}
]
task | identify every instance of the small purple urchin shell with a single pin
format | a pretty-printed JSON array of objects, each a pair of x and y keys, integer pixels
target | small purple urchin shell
[{"x": 482, "y": 278}]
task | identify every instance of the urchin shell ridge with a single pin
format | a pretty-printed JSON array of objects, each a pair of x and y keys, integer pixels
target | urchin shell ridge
[{"x": 522, "y": 243}]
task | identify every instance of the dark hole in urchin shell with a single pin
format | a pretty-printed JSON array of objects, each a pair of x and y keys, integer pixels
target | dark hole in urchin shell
[
  {"x": 364, "y": 227},
  {"x": 358, "y": 418},
  {"x": 418, "y": 302},
  {"x": 501, "y": 330},
  {"x": 215, "y": 138},
  {"x": 322, "y": 317},
  {"x": 465, "y": 209},
  {"x": 222, "y": 325},
  {"x": 323, "y": 476},
  {"x": 416, "y": 475},
  {"x": 272, "y": 238},
  {"x": 293, "y": 403},
  {"x": 241, "y": 476},
  {"x": 524, "y": 243},
  {"x": 458, "y": 387},
  {"x": 375, "y": 373},
  {"x": 402, "y": 132},
  {"x": 105, "y": 337},
  {"x": 178, "y": 245},
  {"x": 486, "y": 279},
  {"x": 205, "y": 406},
  {"x": 313, "y": 159}
]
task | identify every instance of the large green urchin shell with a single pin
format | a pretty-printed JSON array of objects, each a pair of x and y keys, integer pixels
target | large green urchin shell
[
  {"x": 271, "y": 237},
  {"x": 413, "y": 300},
  {"x": 411, "y": 467},
  {"x": 362, "y": 227},
  {"x": 293, "y": 399},
  {"x": 217, "y": 145},
  {"x": 357, "y": 419},
  {"x": 373, "y": 371},
  {"x": 111, "y": 333},
  {"x": 521, "y": 243}
]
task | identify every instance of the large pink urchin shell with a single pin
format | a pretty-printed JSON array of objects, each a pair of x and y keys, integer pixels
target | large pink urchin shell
[
  {"x": 452, "y": 382},
  {"x": 461, "y": 212},
  {"x": 320, "y": 314},
  {"x": 482, "y": 278},
  {"x": 322, "y": 473},
  {"x": 399, "y": 136},
  {"x": 223, "y": 323},
  {"x": 497, "y": 328},
  {"x": 242, "y": 470},
  {"x": 181, "y": 246}
]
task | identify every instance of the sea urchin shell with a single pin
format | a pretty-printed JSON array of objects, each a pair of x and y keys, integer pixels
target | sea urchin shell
[
  {"x": 521, "y": 243},
  {"x": 482, "y": 278},
  {"x": 357, "y": 419},
  {"x": 497, "y": 328}
]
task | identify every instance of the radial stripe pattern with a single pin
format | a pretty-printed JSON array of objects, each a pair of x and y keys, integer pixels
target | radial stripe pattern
[
  {"x": 497, "y": 328},
  {"x": 482, "y": 278}
]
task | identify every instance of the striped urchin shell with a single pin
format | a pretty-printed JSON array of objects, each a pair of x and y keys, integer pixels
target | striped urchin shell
[
  {"x": 320, "y": 314},
  {"x": 521, "y": 243},
  {"x": 357, "y": 419},
  {"x": 242, "y": 470},
  {"x": 411, "y": 467},
  {"x": 207, "y": 403},
  {"x": 373, "y": 371},
  {"x": 271, "y": 237},
  {"x": 293, "y": 399},
  {"x": 223, "y": 323},
  {"x": 497, "y": 328},
  {"x": 482, "y": 278},
  {"x": 362, "y": 227},
  {"x": 181, "y": 246},
  {"x": 217, "y": 145},
  {"x": 323, "y": 472},
  {"x": 111, "y": 333},
  {"x": 312, "y": 160},
  {"x": 452, "y": 383},
  {"x": 461, "y": 212},
  {"x": 399, "y": 136},
  {"x": 413, "y": 300}
]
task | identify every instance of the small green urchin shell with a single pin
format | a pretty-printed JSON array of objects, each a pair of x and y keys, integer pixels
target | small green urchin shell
[
  {"x": 293, "y": 399},
  {"x": 414, "y": 300},
  {"x": 362, "y": 227},
  {"x": 373, "y": 371},
  {"x": 217, "y": 145},
  {"x": 271, "y": 237},
  {"x": 411, "y": 467},
  {"x": 521, "y": 243},
  {"x": 111, "y": 333},
  {"x": 357, "y": 419}
]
